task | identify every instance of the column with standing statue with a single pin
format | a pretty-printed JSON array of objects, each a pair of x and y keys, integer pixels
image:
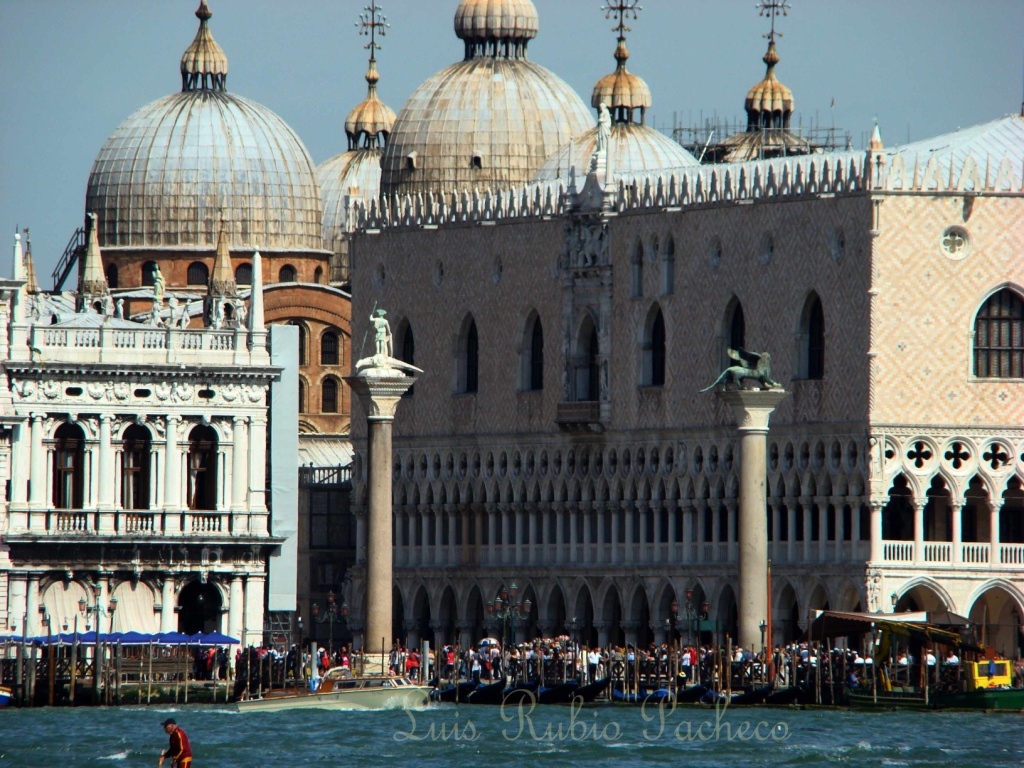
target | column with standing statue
[{"x": 379, "y": 383}]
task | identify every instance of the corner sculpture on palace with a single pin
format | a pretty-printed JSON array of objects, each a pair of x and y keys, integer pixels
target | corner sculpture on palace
[
  {"x": 754, "y": 365},
  {"x": 382, "y": 364}
]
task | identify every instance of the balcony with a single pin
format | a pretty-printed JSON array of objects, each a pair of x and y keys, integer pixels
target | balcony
[
  {"x": 583, "y": 416},
  {"x": 134, "y": 525},
  {"x": 947, "y": 555}
]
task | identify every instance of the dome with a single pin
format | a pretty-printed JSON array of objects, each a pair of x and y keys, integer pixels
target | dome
[
  {"x": 622, "y": 91},
  {"x": 371, "y": 120},
  {"x": 346, "y": 178},
  {"x": 634, "y": 150},
  {"x": 769, "y": 104},
  {"x": 489, "y": 22},
  {"x": 170, "y": 170},
  {"x": 490, "y": 120}
]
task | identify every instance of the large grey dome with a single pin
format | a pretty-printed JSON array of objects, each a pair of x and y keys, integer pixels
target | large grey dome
[
  {"x": 489, "y": 120},
  {"x": 170, "y": 171}
]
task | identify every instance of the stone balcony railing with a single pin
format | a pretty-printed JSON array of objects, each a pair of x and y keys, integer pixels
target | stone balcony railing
[
  {"x": 168, "y": 346},
  {"x": 945, "y": 554},
  {"x": 136, "y": 525}
]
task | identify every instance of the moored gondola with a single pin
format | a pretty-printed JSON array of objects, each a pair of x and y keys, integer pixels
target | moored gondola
[
  {"x": 454, "y": 693},
  {"x": 523, "y": 692},
  {"x": 487, "y": 693},
  {"x": 591, "y": 691},
  {"x": 559, "y": 693}
]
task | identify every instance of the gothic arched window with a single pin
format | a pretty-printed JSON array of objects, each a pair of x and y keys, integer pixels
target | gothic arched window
[{"x": 999, "y": 337}]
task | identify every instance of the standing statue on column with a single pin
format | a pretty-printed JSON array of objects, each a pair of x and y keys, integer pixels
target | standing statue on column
[{"x": 382, "y": 334}]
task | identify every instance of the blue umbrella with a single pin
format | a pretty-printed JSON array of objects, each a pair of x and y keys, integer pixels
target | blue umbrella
[
  {"x": 172, "y": 638},
  {"x": 216, "y": 638},
  {"x": 135, "y": 638}
]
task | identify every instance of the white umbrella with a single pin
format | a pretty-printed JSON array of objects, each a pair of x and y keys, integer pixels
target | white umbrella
[{"x": 490, "y": 641}]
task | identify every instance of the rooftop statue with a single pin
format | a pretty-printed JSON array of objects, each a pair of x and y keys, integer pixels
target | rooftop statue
[
  {"x": 382, "y": 333},
  {"x": 604, "y": 128},
  {"x": 158, "y": 288},
  {"x": 753, "y": 365}
]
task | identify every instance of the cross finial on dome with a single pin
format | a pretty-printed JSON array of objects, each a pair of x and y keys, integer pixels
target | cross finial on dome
[
  {"x": 204, "y": 65},
  {"x": 371, "y": 120},
  {"x": 622, "y": 91},
  {"x": 622, "y": 10},
  {"x": 771, "y": 9}
]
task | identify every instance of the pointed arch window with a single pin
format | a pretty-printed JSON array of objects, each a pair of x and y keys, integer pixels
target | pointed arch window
[
  {"x": 472, "y": 359},
  {"x": 68, "y": 475},
  {"x": 329, "y": 396},
  {"x": 587, "y": 369},
  {"x": 637, "y": 271},
  {"x": 816, "y": 341},
  {"x": 198, "y": 274},
  {"x": 999, "y": 337},
  {"x": 737, "y": 328},
  {"x": 135, "y": 464},
  {"x": 329, "y": 348},
  {"x": 537, "y": 356},
  {"x": 654, "y": 351}
]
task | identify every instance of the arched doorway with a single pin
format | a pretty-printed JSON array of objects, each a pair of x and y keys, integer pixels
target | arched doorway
[
  {"x": 919, "y": 597},
  {"x": 199, "y": 607},
  {"x": 997, "y": 617}
]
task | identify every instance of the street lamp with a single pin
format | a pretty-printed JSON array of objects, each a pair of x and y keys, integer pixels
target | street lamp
[
  {"x": 894, "y": 598},
  {"x": 97, "y": 610},
  {"x": 506, "y": 608},
  {"x": 334, "y": 614},
  {"x": 692, "y": 615}
]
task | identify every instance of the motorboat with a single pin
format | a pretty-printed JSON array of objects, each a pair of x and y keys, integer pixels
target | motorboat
[
  {"x": 340, "y": 689},
  {"x": 6, "y": 696}
]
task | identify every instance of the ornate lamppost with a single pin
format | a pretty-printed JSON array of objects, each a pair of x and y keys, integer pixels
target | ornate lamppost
[
  {"x": 97, "y": 611},
  {"x": 506, "y": 608},
  {"x": 333, "y": 614}
]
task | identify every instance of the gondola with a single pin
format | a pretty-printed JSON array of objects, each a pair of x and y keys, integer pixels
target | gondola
[
  {"x": 655, "y": 696},
  {"x": 783, "y": 697},
  {"x": 690, "y": 695},
  {"x": 523, "y": 692},
  {"x": 487, "y": 693},
  {"x": 754, "y": 696},
  {"x": 559, "y": 693},
  {"x": 454, "y": 693},
  {"x": 591, "y": 691}
]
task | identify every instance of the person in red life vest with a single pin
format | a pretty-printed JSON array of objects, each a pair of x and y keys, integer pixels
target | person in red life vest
[{"x": 180, "y": 751}]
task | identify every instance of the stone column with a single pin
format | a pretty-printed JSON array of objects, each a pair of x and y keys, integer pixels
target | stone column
[
  {"x": 240, "y": 465},
  {"x": 993, "y": 531},
  {"x": 105, "y": 465},
  {"x": 37, "y": 467},
  {"x": 752, "y": 409},
  {"x": 252, "y": 631},
  {"x": 919, "y": 505},
  {"x": 379, "y": 389},
  {"x": 235, "y": 607},
  {"x": 877, "y": 547},
  {"x": 167, "y": 605},
  {"x": 956, "y": 556},
  {"x": 19, "y": 464},
  {"x": 172, "y": 465}
]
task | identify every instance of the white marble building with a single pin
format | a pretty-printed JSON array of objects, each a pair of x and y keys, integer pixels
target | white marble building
[{"x": 134, "y": 460}]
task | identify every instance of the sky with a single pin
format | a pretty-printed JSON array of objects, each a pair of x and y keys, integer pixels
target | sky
[{"x": 74, "y": 69}]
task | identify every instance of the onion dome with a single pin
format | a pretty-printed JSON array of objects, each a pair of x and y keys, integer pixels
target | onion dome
[
  {"x": 634, "y": 149},
  {"x": 370, "y": 122},
  {"x": 769, "y": 103},
  {"x": 168, "y": 172},
  {"x": 496, "y": 27},
  {"x": 204, "y": 63},
  {"x": 622, "y": 91},
  {"x": 489, "y": 120}
]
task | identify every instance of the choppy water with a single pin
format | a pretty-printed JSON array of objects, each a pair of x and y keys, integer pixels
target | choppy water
[{"x": 486, "y": 737}]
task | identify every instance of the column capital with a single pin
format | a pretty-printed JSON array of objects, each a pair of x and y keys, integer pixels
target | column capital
[
  {"x": 753, "y": 407},
  {"x": 380, "y": 395},
  {"x": 240, "y": 419}
]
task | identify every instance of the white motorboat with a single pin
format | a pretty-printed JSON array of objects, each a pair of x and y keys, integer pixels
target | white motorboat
[{"x": 339, "y": 689}]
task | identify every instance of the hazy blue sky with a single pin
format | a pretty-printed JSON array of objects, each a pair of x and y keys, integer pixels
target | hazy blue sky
[{"x": 74, "y": 69}]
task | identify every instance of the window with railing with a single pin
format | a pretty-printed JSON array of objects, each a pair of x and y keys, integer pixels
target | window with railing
[
  {"x": 202, "y": 468},
  {"x": 135, "y": 452},
  {"x": 999, "y": 337},
  {"x": 68, "y": 475}
]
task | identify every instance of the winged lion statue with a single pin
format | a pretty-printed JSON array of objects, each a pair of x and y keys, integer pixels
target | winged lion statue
[{"x": 752, "y": 365}]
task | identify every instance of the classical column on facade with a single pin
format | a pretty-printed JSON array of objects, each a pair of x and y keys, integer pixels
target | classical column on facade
[
  {"x": 956, "y": 510},
  {"x": 105, "y": 466},
  {"x": 438, "y": 641},
  {"x": 379, "y": 384},
  {"x": 172, "y": 470},
  {"x": 993, "y": 531},
  {"x": 822, "y": 504},
  {"x": 20, "y": 465},
  {"x": 807, "y": 512},
  {"x": 436, "y": 513},
  {"x": 791, "y": 545},
  {"x": 32, "y": 623},
  {"x": 630, "y": 628},
  {"x": 919, "y": 505},
  {"x": 37, "y": 467},
  {"x": 240, "y": 465},
  {"x": 628, "y": 510},
  {"x": 167, "y": 605},
  {"x": 731, "y": 509},
  {"x": 252, "y": 631},
  {"x": 877, "y": 544},
  {"x": 700, "y": 508},
  {"x": 752, "y": 410},
  {"x": 603, "y": 629},
  {"x": 236, "y": 606},
  {"x": 465, "y": 635},
  {"x": 492, "y": 533}
]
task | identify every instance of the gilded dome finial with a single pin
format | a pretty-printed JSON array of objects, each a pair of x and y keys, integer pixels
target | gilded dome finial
[
  {"x": 371, "y": 120},
  {"x": 622, "y": 91},
  {"x": 204, "y": 65},
  {"x": 769, "y": 104}
]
